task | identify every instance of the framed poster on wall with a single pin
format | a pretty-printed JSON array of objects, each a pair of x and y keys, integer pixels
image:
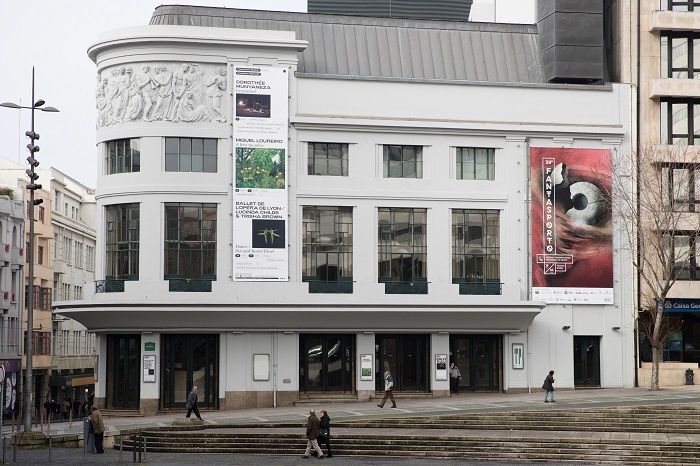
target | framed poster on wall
[
  {"x": 440, "y": 367},
  {"x": 518, "y": 356},
  {"x": 149, "y": 369},
  {"x": 261, "y": 367},
  {"x": 366, "y": 369}
]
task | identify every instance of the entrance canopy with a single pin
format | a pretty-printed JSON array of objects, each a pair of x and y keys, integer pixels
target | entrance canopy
[{"x": 214, "y": 317}]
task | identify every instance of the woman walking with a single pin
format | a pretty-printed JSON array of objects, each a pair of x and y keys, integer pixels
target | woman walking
[
  {"x": 324, "y": 434},
  {"x": 548, "y": 388}
]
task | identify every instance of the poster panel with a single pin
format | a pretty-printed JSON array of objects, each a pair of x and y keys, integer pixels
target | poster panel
[
  {"x": 260, "y": 202},
  {"x": 149, "y": 369},
  {"x": 440, "y": 367},
  {"x": 366, "y": 369},
  {"x": 572, "y": 257}
]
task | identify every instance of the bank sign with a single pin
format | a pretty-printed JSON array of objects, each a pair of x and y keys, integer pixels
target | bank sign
[
  {"x": 681, "y": 306},
  {"x": 260, "y": 198},
  {"x": 571, "y": 221}
]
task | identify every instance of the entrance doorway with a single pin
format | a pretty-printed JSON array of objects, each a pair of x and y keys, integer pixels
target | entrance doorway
[
  {"x": 478, "y": 358},
  {"x": 586, "y": 361},
  {"x": 123, "y": 382},
  {"x": 190, "y": 360},
  {"x": 408, "y": 359},
  {"x": 326, "y": 363}
]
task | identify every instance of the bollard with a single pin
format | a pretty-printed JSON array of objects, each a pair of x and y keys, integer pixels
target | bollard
[
  {"x": 50, "y": 447},
  {"x": 140, "y": 447},
  {"x": 3, "y": 450},
  {"x": 133, "y": 446},
  {"x": 121, "y": 446},
  {"x": 145, "y": 446}
]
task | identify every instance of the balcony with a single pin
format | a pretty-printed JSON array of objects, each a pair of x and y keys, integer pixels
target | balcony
[
  {"x": 343, "y": 285},
  {"x": 674, "y": 21},
  {"x": 190, "y": 285},
  {"x": 674, "y": 87},
  {"x": 419, "y": 286},
  {"x": 478, "y": 288},
  {"x": 109, "y": 286}
]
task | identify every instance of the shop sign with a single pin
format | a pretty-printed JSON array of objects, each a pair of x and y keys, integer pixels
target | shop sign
[
  {"x": 681, "y": 306},
  {"x": 260, "y": 160},
  {"x": 149, "y": 346},
  {"x": 571, "y": 220}
]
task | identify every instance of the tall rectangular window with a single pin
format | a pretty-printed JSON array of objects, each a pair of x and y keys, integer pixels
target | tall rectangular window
[
  {"x": 40, "y": 255},
  {"x": 90, "y": 258},
  {"x": 678, "y": 121},
  {"x": 328, "y": 159},
  {"x": 403, "y": 161},
  {"x": 476, "y": 251},
  {"x": 41, "y": 214},
  {"x": 122, "y": 156},
  {"x": 327, "y": 249},
  {"x": 190, "y": 241},
  {"x": 681, "y": 187},
  {"x": 190, "y": 155},
  {"x": 403, "y": 251},
  {"x": 680, "y": 55},
  {"x": 475, "y": 163},
  {"x": 79, "y": 255},
  {"x": 122, "y": 246},
  {"x": 683, "y": 252}
]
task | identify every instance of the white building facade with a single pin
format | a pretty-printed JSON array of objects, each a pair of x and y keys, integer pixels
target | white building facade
[{"x": 407, "y": 238}]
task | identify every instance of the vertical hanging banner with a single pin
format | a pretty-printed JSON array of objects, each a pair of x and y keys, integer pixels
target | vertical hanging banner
[
  {"x": 572, "y": 257},
  {"x": 260, "y": 202}
]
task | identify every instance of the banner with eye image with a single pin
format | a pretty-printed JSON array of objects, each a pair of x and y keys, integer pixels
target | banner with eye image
[
  {"x": 571, "y": 222},
  {"x": 260, "y": 202}
]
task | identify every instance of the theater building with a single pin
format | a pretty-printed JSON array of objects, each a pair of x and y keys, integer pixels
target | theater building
[{"x": 288, "y": 204}]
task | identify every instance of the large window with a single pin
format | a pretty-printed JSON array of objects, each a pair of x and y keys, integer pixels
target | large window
[
  {"x": 327, "y": 249},
  {"x": 683, "y": 250},
  {"x": 678, "y": 125},
  {"x": 681, "y": 5},
  {"x": 476, "y": 251},
  {"x": 403, "y": 162},
  {"x": 681, "y": 187},
  {"x": 123, "y": 156},
  {"x": 475, "y": 163},
  {"x": 190, "y": 155},
  {"x": 190, "y": 241},
  {"x": 122, "y": 242},
  {"x": 403, "y": 250},
  {"x": 328, "y": 159},
  {"x": 680, "y": 56}
]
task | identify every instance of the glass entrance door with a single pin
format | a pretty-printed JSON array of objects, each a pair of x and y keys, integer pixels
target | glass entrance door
[
  {"x": 408, "y": 359},
  {"x": 326, "y": 362},
  {"x": 123, "y": 384},
  {"x": 478, "y": 358},
  {"x": 586, "y": 361},
  {"x": 190, "y": 360}
]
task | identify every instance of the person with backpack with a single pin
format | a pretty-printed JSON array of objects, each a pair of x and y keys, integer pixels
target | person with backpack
[
  {"x": 548, "y": 387},
  {"x": 324, "y": 434},
  {"x": 388, "y": 389}
]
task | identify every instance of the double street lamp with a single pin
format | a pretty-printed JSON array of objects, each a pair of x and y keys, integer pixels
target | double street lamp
[{"x": 32, "y": 186}]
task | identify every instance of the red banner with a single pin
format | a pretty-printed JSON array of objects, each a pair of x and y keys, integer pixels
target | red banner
[{"x": 571, "y": 219}]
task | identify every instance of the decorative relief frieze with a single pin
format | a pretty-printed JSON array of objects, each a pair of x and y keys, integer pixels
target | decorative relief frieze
[{"x": 161, "y": 92}]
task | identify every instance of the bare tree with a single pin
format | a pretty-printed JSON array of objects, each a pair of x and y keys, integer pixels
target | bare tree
[{"x": 653, "y": 209}]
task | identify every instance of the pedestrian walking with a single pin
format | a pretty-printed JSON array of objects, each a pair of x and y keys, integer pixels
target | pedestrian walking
[
  {"x": 313, "y": 427},
  {"x": 388, "y": 389},
  {"x": 324, "y": 434},
  {"x": 76, "y": 408},
  {"x": 98, "y": 428},
  {"x": 548, "y": 388},
  {"x": 455, "y": 378},
  {"x": 65, "y": 409},
  {"x": 192, "y": 403}
]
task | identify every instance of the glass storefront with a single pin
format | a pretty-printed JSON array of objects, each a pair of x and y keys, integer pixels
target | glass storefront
[
  {"x": 190, "y": 360},
  {"x": 326, "y": 363},
  {"x": 408, "y": 359}
]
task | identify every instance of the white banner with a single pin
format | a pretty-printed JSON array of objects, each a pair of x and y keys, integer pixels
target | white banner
[{"x": 260, "y": 202}]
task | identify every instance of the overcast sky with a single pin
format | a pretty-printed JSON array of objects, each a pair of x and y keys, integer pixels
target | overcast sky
[{"x": 53, "y": 35}]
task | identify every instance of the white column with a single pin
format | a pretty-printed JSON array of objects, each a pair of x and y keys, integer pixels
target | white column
[{"x": 101, "y": 369}]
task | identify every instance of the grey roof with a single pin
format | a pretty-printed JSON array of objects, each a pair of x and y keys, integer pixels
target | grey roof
[{"x": 387, "y": 48}]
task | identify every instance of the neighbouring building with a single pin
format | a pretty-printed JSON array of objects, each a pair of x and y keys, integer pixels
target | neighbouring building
[
  {"x": 289, "y": 204},
  {"x": 73, "y": 258},
  {"x": 11, "y": 285}
]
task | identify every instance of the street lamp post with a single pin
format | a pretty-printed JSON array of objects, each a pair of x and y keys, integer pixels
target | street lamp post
[{"x": 32, "y": 186}]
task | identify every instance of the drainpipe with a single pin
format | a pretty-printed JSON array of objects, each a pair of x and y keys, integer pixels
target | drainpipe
[
  {"x": 274, "y": 369},
  {"x": 638, "y": 143}
]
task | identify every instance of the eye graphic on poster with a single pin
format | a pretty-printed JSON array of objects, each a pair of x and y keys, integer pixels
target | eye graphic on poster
[
  {"x": 268, "y": 234},
  {"x": 571, "y": 225},
  {"x": 261, "y": 168},
  {"x": 253, "y": 105}
]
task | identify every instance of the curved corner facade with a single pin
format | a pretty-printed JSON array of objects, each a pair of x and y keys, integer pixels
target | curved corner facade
[{"x": 389, "y": 228}]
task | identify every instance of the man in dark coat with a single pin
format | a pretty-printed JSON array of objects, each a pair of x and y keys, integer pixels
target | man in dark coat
[
  {"x": 313, "y": 426},
  {"x": 324, "y": 435},
  {"x": 548, "y": 388},
  {"x": 192, "y": 403},
  {"x": 388, "y": 389}
]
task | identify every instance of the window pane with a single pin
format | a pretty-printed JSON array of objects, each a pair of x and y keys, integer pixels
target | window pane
[
  {"x": 185, "y": 162},
  {"x": 664, "y": 57},
  {"x": 679, "y": 56},
  {"x": 197, "y": 162},
  {"x": 209, "y": 165},
  {"x": 665, "y": 137},
  {"x": 197, "y": 146},
  {"x": 171, "y": 146},
  {"x": 185, "y": 146},
  {"x": 171, "y": 162},
  {"x": 680, "y": 119},
  {"x": 210, "y": 146}
]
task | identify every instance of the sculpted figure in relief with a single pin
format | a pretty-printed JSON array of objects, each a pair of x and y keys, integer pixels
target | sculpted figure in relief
[{"x": 159, "y": 94}]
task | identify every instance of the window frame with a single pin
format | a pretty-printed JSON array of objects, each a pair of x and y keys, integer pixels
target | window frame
[
  {"x": 668, "y": 137},
  {"x": 315, "y": 159},
  {"x": 122, "y": 243},
  {"x": 180, "y": 153},
  {"x": 461, "y": 247},
  {"x": 691, "y": 5},
  {"x": 691, "y": 69},
  {"x": 692, "y": 204},
  {"x": 694, "y": 253},
  {"x": 460, "y": 164},
  {"x": 313, "y": 247},
  {"x": 206, "y": 249},
  {"x": 128, "y": 161},
  {"x": 417, "y": 161},
  {"x": 386, "y": 239}
]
